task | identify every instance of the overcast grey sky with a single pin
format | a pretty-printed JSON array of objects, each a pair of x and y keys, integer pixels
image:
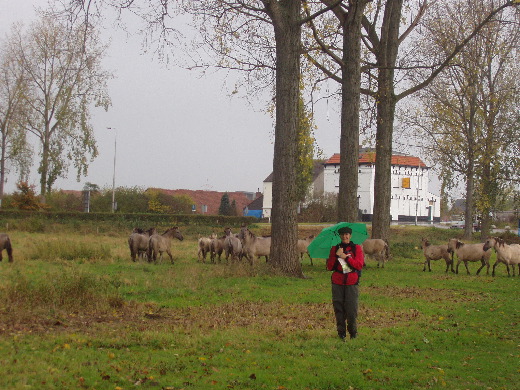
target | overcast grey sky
[{"x": 174, "y": 129}]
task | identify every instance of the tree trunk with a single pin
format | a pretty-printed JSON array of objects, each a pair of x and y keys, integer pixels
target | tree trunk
[
  {"x": 470, "y": 177},
  {"x": 348, "y": 203},
  {"x": 2, "y": 166},
  {"x": 284, "y": 255},
  {"x": 468, "y": 212},
  {"x": 386, "y": 102},
  {"x": 44, "y": 167},
  {"x": 382, "y": 180}
]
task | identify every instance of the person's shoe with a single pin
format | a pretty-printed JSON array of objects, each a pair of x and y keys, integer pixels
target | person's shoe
[
  {"x": 353, "y": 335},
  {"x": 342, "y": 336}
]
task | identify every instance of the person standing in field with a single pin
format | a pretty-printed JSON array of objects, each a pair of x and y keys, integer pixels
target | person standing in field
[{"x": 346, "y": 261}]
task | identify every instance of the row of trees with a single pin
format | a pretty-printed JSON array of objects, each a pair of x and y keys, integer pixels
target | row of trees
[
  {"x": 129, "y": 200},
  {"x": 50, "y": 78},
  {"x": 365, "y": 46}
]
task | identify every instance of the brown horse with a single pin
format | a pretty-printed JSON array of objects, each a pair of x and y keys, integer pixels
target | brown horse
[
  {"x": 159, "y": 243},
  {"x": 138, "y": 242},
  {"x": 5, "y": 243}
]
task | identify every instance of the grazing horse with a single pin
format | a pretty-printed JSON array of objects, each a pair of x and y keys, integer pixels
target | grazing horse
[
  {"x": 254, "y": 246},
  {"x": 378, "y": 249},
  {"x": 5, "y": 243},
  {"x": 159, "y": 243},
  {"x": 138, "y": 242}
]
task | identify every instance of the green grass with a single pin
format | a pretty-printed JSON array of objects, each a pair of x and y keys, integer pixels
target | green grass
[{"x": 104, "y": 322}]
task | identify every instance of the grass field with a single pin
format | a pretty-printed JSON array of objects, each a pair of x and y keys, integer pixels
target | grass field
[{"x": 76, "y": 313}]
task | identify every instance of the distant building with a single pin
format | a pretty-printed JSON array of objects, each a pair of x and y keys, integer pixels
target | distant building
[
  {"x": 410, "y": 198},
  {"x": 208, "y": 202},
  {"x": 255, "y": 208}
]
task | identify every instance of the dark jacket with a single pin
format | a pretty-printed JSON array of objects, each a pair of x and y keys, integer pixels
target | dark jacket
[{"x": 356, "y": 262}]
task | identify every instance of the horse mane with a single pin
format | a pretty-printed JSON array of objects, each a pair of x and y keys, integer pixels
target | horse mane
[
  {"x": 138, "y": 230},
  {"x": 459, "y": 244}
]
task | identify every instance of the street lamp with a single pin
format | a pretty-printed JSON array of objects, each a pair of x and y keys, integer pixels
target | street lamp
[{"x": 114, "y": 174}]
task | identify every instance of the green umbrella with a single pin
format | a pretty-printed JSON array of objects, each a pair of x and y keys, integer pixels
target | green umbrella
[{"x": 320, "y": 246}]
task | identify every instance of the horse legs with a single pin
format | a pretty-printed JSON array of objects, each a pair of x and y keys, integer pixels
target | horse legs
[
  {"x": 170, "y": 254},
  {"x": 494, "y": 266},
  {"x": 482, "y": 266},
  {"x": 457, "y": 268}
]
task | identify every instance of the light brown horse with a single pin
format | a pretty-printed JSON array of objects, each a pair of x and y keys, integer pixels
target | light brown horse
[
  {"x": 378, "y": 249},
  {"x": 470, "y": 252},
  {"x": 509, "y": 254},
  {"x": 159, "y": 243},
  {"x": 138, "y": 242},
  {"x": 233, "y": 247},
  {"x": 254, "y": 246},
  {"x": 302, "y": 247},
  {"x": 436, "y": 252},
  {"x": 5, "y": 243},
  {"x": 205, "y": 246}
]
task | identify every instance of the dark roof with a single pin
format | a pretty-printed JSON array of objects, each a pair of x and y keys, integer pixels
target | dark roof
[
  {"x": 256, "y": 204},
  {"x": 317, "y": 169}
]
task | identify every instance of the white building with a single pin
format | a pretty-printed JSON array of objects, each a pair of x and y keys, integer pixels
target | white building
[{"x": 410, "y": 199}]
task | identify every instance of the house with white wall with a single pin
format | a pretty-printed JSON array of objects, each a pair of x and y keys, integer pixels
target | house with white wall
[{"x": 410, "y": 201}]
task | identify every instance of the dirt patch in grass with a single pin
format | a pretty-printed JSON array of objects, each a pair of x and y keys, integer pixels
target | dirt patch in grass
[
  {"x": 430, "y": 294},
  {"x": 278, "y": 317}
]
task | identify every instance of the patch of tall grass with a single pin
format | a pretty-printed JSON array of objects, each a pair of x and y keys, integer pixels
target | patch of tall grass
[
  {"x": 67, "y": 291},
  {"x": 60, "y": 249}
]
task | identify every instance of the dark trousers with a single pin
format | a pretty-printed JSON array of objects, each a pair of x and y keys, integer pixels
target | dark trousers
[{"x": 345, "y": 303}]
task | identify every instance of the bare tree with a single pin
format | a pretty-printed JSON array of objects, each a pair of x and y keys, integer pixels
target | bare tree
[
  {"x": 470, "y": 113},
  {"x": 63, "y": 74},
  {"x": 383, "y": 39}
]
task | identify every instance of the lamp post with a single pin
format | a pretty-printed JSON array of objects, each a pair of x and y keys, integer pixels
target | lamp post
[{"x": 114, "y": 174}]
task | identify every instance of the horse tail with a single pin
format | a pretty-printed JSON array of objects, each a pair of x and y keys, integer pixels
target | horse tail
[
  {"x": 149, "y": 251},
  {"x": 9, "y": 249},
  {"x": 387, "y": 249}
]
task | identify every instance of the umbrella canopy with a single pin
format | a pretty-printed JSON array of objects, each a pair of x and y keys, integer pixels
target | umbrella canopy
[{"x": 320, "y": 246}]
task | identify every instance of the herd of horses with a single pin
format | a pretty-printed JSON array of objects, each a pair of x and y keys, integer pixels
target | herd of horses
[
  {"x": 508, "y": 254},
  {"x": 152, "y": 244},
  {"x": 245, "y": 244}
]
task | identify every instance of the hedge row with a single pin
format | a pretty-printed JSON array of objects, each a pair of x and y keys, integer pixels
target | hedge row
[{"x": 15, "y": 218}]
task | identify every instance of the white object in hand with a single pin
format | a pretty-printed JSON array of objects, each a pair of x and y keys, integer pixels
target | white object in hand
[{"x": 344, "y": 265}]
